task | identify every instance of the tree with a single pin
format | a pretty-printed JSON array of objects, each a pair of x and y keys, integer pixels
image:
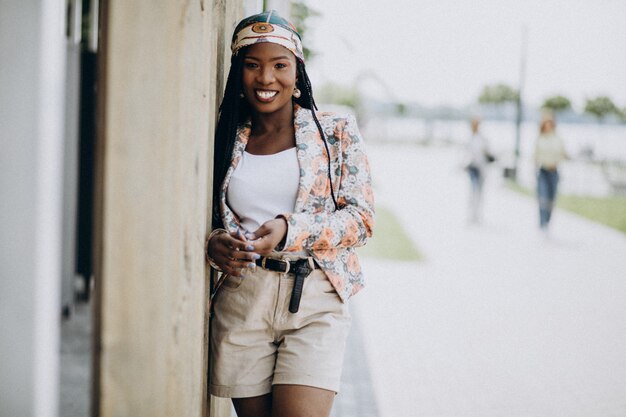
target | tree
[
  {"x": 557, "y": 104},
  {"x": 337, "y": 94},
  {"x": 600, "y": 107},
  {"x": 300, "y": 13},
  {"x": 501, "y": 96},
  {"x": 400, "y": 109},
  {"x": 498, "y": 94}
]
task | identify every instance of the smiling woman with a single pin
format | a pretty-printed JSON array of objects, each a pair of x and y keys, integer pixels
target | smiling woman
[
  {"x": 293, "y": 199},
  {"x": 269, "y": 84}
]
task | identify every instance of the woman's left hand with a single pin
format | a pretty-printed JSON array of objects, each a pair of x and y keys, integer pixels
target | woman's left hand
[{"x": 268, "y": 236}]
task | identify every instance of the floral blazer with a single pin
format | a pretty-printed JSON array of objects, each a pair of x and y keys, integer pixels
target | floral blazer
[{"x": 329, "y": 235}]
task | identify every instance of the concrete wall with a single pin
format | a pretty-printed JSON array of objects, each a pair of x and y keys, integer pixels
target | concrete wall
[
  {"x": 32, "y": 46},
  {"x": 161, "y": 73}
]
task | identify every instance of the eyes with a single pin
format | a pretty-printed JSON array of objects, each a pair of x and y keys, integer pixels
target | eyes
[{"x": 253, "y": 65}]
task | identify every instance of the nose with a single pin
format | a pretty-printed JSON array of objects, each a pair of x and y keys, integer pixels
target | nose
[{"x": 266, "y": 75}]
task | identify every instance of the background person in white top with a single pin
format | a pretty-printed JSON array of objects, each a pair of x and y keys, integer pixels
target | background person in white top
[
  {"x": 478, "y": 156},
  {"x": 549, "y": 153}
]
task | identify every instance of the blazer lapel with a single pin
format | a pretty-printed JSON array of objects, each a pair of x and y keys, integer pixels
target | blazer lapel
[
  {"x": 308, "y": 146},
  {"x": 243, "y": 134}
]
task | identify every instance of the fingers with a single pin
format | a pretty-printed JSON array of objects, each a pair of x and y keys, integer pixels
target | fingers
[
  {"x": 236, "y": 251},
  {"x": 263, "y": 246},
  {"x": 259, "y": 233},
  {"x": 268, "y": 228},
  {"x": 232, "y": 254},
  {"x": 239, "y": 270},
  {"x": 239, "y": 235},
  {"x": 235, "y": 266},
  {"x": 267, "y": 237},
  {"x": 239, "y": 242},
  {"x": 239, "y": 257}
]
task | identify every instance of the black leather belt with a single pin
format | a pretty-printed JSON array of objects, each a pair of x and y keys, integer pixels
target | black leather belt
[{"x": 300, "y": 268}]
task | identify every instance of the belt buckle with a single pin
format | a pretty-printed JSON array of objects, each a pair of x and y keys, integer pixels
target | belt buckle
[{"x": 288, "y": 263}]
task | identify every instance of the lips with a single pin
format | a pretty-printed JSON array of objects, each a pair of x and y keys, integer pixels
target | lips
[{"x": 265, "y": 95}]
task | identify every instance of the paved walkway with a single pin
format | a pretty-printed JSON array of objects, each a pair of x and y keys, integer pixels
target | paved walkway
[
  {"x": 498, "y": 321},
  {"x": 75, "y": 367}
]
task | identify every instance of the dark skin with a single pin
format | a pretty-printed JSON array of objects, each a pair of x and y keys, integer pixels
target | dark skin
[
  {"x": 269, "y": 78},
  {"x": 270, "y": 70}
]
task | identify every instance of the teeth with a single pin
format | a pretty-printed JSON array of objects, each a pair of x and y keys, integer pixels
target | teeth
[{"x": 266, "y": 94}]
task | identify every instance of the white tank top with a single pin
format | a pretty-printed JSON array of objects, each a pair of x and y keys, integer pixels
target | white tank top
[{"x": 263, "y": 186}]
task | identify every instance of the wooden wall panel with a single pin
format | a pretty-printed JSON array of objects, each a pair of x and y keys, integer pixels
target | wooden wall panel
[
  {"x": 228, "y": 14},
  {"x": 158, "y": 88}
]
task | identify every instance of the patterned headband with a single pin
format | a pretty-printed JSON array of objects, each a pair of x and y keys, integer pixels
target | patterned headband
[{"x": 267, "y": 27}]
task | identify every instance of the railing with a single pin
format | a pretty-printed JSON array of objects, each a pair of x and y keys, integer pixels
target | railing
[{"x": 615, "y": 173}]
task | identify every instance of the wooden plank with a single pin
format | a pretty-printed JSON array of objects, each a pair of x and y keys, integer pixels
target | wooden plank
[
  {"x": 153, "y": 184},
  {"x": 226, "y": 15}
]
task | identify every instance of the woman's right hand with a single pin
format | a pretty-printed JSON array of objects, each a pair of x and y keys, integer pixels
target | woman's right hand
[{"x": 232, "y": 253}]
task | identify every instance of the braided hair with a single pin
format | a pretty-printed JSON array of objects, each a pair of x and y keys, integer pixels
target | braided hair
[
  {"x": 235, "y": 110},
  {"x": 306, "y": 100}
]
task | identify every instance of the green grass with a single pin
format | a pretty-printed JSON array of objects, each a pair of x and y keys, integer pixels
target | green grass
[
  {"x": 610, "y": 211},
  {"x": 390, "y": 240}
]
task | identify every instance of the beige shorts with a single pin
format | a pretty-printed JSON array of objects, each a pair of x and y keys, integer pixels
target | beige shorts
[{"x": 256, "y": 342}]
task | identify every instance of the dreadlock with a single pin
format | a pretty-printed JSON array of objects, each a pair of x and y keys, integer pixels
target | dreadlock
[
  {"x": 234, "y": 110},
  {"x": 306, "y": 100}
]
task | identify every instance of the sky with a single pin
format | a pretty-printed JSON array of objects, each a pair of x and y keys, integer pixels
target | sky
[{"x": 443, "y": 52}]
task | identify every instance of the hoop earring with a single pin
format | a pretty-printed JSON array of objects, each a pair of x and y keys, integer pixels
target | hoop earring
[{"x": 296, "y": 92}]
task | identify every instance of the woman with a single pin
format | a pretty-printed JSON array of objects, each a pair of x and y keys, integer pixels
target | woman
[
  {"x": 478, "y": 156},
  {"x": 293, "y": 199},
  {"x": 549, "y": 152}
]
